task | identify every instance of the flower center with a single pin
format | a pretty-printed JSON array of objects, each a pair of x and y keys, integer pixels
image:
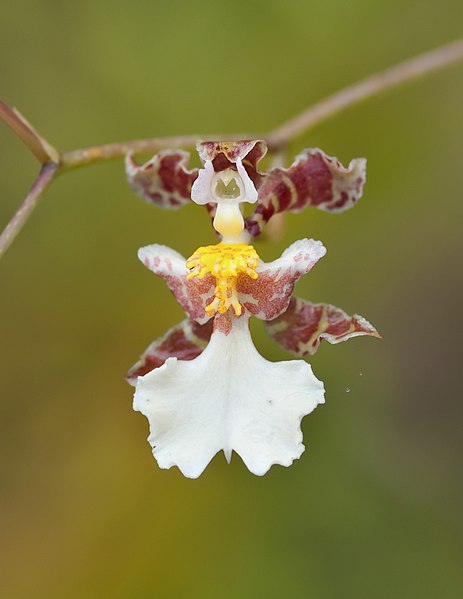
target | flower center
[
  {"x": 227, "y": 185},
  {"x": 225, "y": 262}
]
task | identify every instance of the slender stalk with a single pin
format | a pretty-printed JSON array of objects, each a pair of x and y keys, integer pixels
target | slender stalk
[
  {"x": 277, "y": 139},
  {"x": 84, "y": 156},
  {"x": 43, "y": 180},
  {"x": 372, "y": 86},
  {"x": 282, "y": 135},
  {"x": 42, "y": 150}
]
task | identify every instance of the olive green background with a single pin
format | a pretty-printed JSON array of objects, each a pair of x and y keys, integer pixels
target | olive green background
[{"x": 373, "y": 508}]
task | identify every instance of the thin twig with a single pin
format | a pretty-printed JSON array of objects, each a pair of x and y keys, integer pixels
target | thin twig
[
  {"x": 43, "y": 180},
  {"x": 84, "y": 156},
  {"x": 282, "y": 135},
  {"x": 276, "y": 139},
  {"x": 372, "y": 86},
  {"x": 38, "y": 145}
]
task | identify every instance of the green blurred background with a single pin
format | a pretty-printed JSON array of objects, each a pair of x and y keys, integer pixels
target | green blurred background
[{"x": 373, "y": 508}]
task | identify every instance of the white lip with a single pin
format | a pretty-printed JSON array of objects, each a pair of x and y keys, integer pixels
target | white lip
[{"x": 228, "y": 398}]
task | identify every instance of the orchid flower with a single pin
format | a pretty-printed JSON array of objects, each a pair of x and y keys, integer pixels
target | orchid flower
[{"x": 203, "y": 386}]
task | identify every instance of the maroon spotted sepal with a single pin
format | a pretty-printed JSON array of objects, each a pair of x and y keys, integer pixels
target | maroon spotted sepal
[
  {"x": 314, "y": 179},
  {"x": 185, "y": 341},
  {"x": 164, "y": 181},
  {"x": 301, "y": 328},
  {"x": 224, "y": 154}
]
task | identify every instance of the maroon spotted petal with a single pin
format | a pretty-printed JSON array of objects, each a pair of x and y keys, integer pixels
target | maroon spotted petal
[
  {"x": 269, "y": 295},
  {"x": 301, "y": 328},
  {"x": 185, "y": 341},
  {"x": 223, "y": 154},
  {"x": 192, "y": 294},
  {"x": 164, "y": 180},
  {"x": 314, "y": 179}
]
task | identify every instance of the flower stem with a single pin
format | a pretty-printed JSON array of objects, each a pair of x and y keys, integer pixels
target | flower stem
[
  {"x": 371, "y": 86},
  {"x": 277, "y": 139},
  {"x": 43, "y": 180},
  {"x": 84, "y": 156},
  {"x": 281, "y": 136},
  {"x": 42, "y": 150}
]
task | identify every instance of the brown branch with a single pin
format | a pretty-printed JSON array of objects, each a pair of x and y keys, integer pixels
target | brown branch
[
  {"x": 372, "y": 86},
  {"x": 42, "y": 150},
  {"x": 84, "y": 156},
  {"x": 282, "y": 135},
  {"x": 277, "y": 139},
  {"x": 43, "y": 180}
]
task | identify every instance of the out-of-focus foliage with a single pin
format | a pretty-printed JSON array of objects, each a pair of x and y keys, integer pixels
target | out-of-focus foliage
[{"x": 373, "y": 507}]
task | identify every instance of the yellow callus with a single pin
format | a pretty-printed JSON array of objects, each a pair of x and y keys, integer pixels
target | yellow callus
[{"x": 225, "y": 262}]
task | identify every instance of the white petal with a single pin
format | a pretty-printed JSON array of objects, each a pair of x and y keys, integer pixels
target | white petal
[
  {"x": 269, "y": 295},
  {"x": 163, "y": 260},
  {"x": 301, "y": 256},
  {"x": 229, "y": 398},
  {"x": 250, "y": 192},
  {"x": 201, "y": 189},
  {"x": 194, "y": 294}
]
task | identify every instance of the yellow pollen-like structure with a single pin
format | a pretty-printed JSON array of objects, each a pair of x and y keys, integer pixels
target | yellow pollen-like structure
[{"x": 225, "y": 262}]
